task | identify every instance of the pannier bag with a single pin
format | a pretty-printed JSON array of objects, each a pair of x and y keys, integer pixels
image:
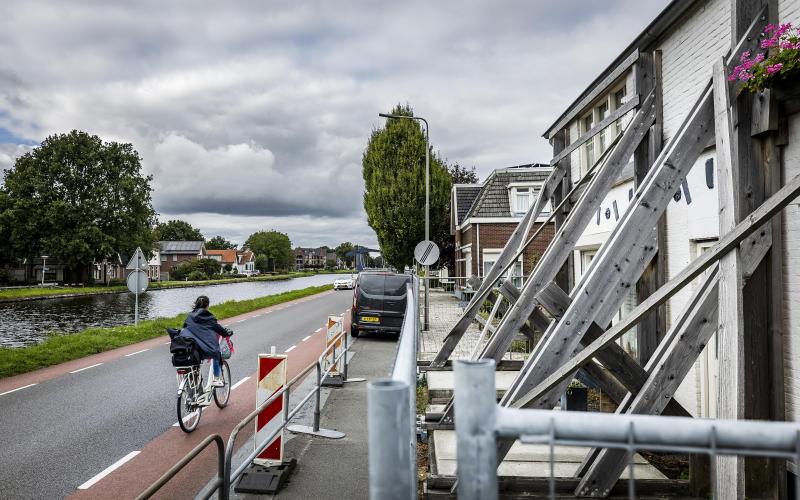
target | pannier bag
[
  {"x": 185, "y": 352},
  {"x": 226, "y": 348}
]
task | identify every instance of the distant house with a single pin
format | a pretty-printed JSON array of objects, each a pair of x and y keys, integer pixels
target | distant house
[
  {"x": 310, "y": 257},
  {"x": 224, "y": 257},
  {"x": 245, "y": 261},
  {"x": 483, "y": 216},
  {"x": 173, "y": 253}
]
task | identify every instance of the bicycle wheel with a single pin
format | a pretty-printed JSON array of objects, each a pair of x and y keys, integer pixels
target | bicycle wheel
[
  {"x": 221, "y": 394},
  {"x": 188, "y": 412}
]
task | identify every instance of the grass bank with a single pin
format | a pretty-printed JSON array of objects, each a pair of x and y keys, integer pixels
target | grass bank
[
  {"x": 13, "y": 294},
  {"x": 59, "y": 348}
]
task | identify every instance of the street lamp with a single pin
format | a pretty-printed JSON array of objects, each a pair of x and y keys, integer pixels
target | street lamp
[
  {"x": 427, "y": 197},
  {"x": 44, "y": 267}
]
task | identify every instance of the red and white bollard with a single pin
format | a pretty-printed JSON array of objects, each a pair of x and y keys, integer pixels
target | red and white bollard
[{"x": 271, "y": 379}]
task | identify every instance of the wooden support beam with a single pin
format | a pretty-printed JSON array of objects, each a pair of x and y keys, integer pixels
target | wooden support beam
[
  {"x": 566, "y": 237},
  {"x": 751, "y": 224},
  {"x": 509, "y": 254}
]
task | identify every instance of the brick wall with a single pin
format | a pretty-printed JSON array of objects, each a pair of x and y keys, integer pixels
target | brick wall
[
  {"x": 169, "y": 264},
  {"x": 494, "y": 236}
]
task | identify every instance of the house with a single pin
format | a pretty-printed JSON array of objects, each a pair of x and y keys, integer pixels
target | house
[
  {"x": 483, "y": 216},
  {"x": 228, "y": 259},
  {"x": 310, "y": 257},
  {"x": 245, "y": 262},
  {"x": 173, "y": 253}
]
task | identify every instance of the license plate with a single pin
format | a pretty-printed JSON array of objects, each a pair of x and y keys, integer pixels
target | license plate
[{"x": 370, "y": 319}]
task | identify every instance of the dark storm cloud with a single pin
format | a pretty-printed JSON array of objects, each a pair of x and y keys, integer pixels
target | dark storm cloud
[{"x": 255, "y": 113}]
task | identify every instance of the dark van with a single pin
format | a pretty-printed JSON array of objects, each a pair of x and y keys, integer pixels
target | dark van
[{"x": 379, "y": 303}]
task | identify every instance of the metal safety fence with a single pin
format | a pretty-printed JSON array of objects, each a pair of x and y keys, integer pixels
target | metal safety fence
[
  {"x": 225, "y": 478},
  {"x": 481, "y": 423},
  {"x": 391, "y": 415}
]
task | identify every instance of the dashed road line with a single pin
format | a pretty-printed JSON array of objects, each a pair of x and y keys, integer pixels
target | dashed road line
[
  {"x": 108, "y": 470},
  {"x": 187, "y": 417},
  {"x": 306, "y": 338},
  {"x": 318, "y": 330},
  {"x": 290, "y": 349},
  {"x": 17, "y": 389},
  {"x": 137, "y": 352},
  {"x": 237, "y": 384},
  {"x": 86, "y": 368}
]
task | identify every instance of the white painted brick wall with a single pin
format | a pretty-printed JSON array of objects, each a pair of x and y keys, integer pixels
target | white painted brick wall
[
  {"x": 789, "y": 11},
  {"x": 791, "y": 274}
]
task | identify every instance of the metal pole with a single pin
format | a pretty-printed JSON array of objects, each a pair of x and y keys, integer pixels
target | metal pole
[
  {"x": 316, "y": 407},
  {"x": 476, "y": 447},
  {"x": 390, "y": 476},
  {"x": 427, "y": 212},
  {"x": 136, "y": 306},
  {"x": 344, "y": 358}
]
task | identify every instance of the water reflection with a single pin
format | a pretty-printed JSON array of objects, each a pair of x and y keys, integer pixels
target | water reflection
[{"x": 26, "y": 323}]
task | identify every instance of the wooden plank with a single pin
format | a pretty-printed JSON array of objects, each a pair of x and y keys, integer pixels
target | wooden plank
[
  {"x": 698, "y": 325},
  {"x": 731, "y": 240},
  {"x": 577, "y": 221},
  {"x": 632, "y": 103},
  {"x": 598, "y": 89},
  {"x": 504, "y": 260},
  {"x": 604, "y": 276},
  {"x": 730, "y": 331}
]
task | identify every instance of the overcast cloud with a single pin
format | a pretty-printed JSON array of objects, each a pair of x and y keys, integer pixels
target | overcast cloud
[{"x": 253, "y": 115}]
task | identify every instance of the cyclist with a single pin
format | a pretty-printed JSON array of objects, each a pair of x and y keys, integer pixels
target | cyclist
[{"x": 202, "y": 327}]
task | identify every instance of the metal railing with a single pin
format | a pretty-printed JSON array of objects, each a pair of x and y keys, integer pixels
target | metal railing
[
  {"x": 480, "y": 422},
  {"x": 391, "y": 415},
  {"x": 225, "y": 478},
  {"x": 219, "y": 481}
]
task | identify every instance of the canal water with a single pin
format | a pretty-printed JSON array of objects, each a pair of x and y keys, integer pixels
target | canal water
[{"x": 29, "y": 322}]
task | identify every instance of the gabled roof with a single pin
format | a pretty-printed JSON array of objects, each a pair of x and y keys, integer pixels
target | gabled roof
[
  {"x": 464, "y": 195},
  {"x": 245, "y": 256},
  {"x": 493, "y": 200},
  {"x": 227, "y": 256},
  {"x": 184, "y": 247}
]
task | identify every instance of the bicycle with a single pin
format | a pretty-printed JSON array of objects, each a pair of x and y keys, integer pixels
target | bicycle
[{"x": 194, "y": 394}]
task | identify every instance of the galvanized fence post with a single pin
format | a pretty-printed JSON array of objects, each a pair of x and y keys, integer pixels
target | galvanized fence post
[
  {"x": 476, "y": 447},
  {"x": 317, "y": 397},
  {"x": 387, "y": 414}
]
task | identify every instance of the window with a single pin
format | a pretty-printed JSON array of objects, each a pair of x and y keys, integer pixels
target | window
[
  {"x": 601, "y": 141},
  {"x": 588, "y": 148},
  {"x": 174, "y": 257},
  {"x": 522, "y": 200},
  {"x": 515, "y": 272},
  {"x": 602, "y": 114},
  {"x": 163, "y": 258},
  {"x": 619, "y": 98}
]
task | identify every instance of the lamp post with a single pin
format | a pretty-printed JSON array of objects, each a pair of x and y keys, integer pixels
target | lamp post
[
  {"x": 427, "y": 197},
  {"x": 44, "y": 267}
]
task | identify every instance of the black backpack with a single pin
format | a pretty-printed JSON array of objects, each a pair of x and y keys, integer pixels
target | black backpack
[{"x": 185, "y": 352}]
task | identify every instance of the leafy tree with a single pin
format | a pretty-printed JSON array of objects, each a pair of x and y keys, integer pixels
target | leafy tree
[
  {"x": 342, "y": 249},
  {"x": 262, "y": 263},
  {"x": 447, "y": 246},
  {"x": 177, "y": 230},
  {"x": 206, "y": 267},
  {"x": 462, "y": 175},
  {"x": 77, "y": 199},
  {"x": 219, "y": 243},
  {"x": 274, "y": 245},
  {"x": 394, "y": 176}
]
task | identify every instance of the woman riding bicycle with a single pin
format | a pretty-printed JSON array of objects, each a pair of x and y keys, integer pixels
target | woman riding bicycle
[{"x": 202, "y": 327}]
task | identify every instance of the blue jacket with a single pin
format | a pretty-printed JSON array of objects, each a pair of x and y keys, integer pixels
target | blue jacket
[{"x": 201, "y": 326}]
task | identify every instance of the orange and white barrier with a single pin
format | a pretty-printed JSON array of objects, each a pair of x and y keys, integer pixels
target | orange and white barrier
[
  {"x": 333, "y": 336},
  {"x": 271, "y": 379}
]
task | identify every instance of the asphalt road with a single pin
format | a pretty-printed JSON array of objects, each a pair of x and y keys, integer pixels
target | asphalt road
[{"x": 60, "y": 433}]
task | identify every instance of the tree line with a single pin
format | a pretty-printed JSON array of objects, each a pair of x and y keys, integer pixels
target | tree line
[{"x": 81, "y": 200}]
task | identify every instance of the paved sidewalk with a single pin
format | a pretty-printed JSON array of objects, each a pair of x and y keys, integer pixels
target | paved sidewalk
[{"x": 338, "y": 468}]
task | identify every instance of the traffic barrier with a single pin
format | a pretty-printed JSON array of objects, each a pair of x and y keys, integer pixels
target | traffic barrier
[
  {"x": 333, "y": 338},
  {"x": 271, "y": 379}
]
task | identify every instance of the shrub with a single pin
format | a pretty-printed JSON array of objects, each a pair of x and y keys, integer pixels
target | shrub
[{"x": 197, "y": 276}]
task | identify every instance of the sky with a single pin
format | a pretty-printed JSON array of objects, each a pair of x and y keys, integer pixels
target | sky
[{"x": 253, "y": 115}]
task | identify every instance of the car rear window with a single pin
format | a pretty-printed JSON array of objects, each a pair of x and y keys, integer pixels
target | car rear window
[
  {"x": 396, "y": 285},
  {"x": 371, "y": 284}
]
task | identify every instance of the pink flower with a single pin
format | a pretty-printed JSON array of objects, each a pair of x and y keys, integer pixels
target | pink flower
[
  {"x": 769, "y": 42},
  {"x": 769, "y": 27},
  {"x": 774, "y": 68},
  {"x": 744, "y": 76},
  {"x": 745, "y": 55},
  {"x": 759, "y": 57}
]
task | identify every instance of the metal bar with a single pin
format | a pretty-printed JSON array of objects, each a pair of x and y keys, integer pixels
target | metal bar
[
  {"x": 316, "y": 404},
  {"x": 216, "y": 439},
  {"x": 387, "y": 412},
  {"x": 476, "y": 449}
]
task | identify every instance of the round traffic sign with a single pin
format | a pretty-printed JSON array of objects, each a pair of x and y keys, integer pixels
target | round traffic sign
[
  {"x": 426, "y": 253},
  {"x": 138, "y": 281}
]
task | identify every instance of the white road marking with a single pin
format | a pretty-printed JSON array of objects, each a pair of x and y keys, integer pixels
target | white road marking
[
  {"x": 116, "y": 465},
  {"x": 187, "y": 417},
  {"x": 17, "y": 389},
  {"x": 306, "y": 338},
  {"x": 86, "y": 368},
  {"x": 241, "y": 320},
  {"x": 290, "y": 349},
  {"x": 137, "y": 352},
  {"x": 237, "y": 384},
  {"x": 318, "y": 330},
  {"x": 167, "y": 343}
]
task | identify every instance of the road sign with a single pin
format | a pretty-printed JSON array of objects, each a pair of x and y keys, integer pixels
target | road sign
[
  {"x": 426, "y": 253},
  {"x": 138, "y": 281},
  {"x": 138, "y": 261}
]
